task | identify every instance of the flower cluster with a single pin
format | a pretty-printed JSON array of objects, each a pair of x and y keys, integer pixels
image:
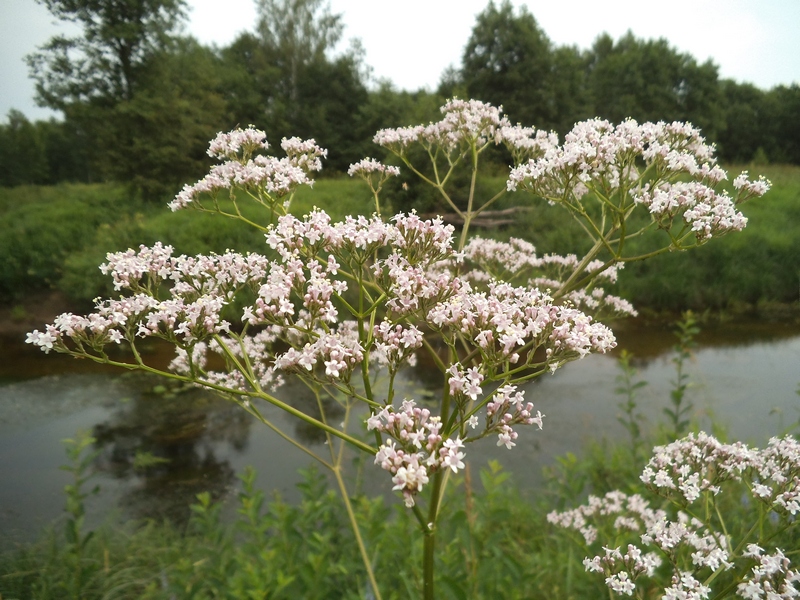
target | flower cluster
[
  {"x": 467, "y": 122},
  {"x": 517, "y": 259},
  {"x": 595, "y": 153},
  {"x": 464, "y": 384},
  {"x": 368, "y": 166},
  {"x": 507, "y": 408},
  {"x": 181, "y": 299},
  {"x": 463, "y": 121},
  {"x": 273, "y": 176},
  {"x": 670, "y": 538},
  {"x": 395, "y": 344},
  {"x": 622, "y": 570},
  {"x": 508, "y": 320},
  {"x": 686, "y": 587},
  {"x": 339, "y": 352},
  {"x": 416, "y": 448},
  {"x": 682, "y": 472},
  {"x": 707, "y": 212},
  {"x": 245, "y": 141},
  {"x": 633, "y": 510},
  {"x": 770, "y": 578},
  {"x": 598, "y": 156},
  {"x": 695, "y": 464},
  {"x": 777, "y": 475},
  {"x": 526, "y": 143},
  {"x": 329, "y": 298}
]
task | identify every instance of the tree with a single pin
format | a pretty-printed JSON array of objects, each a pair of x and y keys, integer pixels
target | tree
[
  {"x": 783, "y": 123},
  {"x": 297, "y": 34},
  {"x": 39, "y": 153},
  {"x": 651, "y": 81},
  {"x": 744, "y": 129},
  {"x": 106, "y": 62},
  {"x": 23, "y": 157},
  {"x": 145, "y": 100},
  {"x": 286, "y": 79},
  {"x": 570, "y": 95},
  {"x": 162, "y": 132},
  {"x": 508, "y": 61}
]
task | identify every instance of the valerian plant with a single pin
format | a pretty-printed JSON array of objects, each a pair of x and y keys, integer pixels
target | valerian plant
[
  {"x": 339, "y": 305},
  {"x": 686, "y": 536}
]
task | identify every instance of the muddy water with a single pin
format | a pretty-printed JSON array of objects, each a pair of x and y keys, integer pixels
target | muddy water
[{"x": 744, "y": 377}]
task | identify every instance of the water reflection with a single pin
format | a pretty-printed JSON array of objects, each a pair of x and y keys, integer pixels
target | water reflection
[
  {"x": 746, "y": 377},
  {"x": 181, "y": 427},
  {"x": 650, "y": 339}
]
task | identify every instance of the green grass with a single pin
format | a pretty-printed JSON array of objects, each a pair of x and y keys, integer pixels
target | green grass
[
  {"x": 494, "y": 542},
  {"x": 752, "y": 269},
  {"x": 55, "y": 237},
  {"x": 497, "y": 544}
]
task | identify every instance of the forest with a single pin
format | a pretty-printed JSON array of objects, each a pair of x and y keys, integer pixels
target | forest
[{"x": 139, "y": 100}]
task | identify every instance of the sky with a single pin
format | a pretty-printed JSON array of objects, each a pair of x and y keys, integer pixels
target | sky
[{"x": 411, "y": 42}]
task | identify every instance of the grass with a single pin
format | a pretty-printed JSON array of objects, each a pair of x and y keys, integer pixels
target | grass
[
  {"x": 496, "y": 542},
  {"x": 55, "y": 237},
  {"x": 750, "y": 270},
  {"x": 498, "y": 545}
]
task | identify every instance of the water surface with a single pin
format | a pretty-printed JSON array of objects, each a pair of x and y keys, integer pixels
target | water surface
[{"x": 744, "y": 378}]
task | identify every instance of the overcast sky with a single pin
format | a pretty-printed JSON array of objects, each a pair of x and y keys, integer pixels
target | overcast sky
[{"x": 411, "y": 42}]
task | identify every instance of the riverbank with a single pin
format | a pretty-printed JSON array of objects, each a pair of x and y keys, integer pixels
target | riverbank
[
  {"x": 18, "y": 318},
  {"x": 53, "y": 239}
]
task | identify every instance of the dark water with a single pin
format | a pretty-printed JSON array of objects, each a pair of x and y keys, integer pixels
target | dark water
[{"x": 744, "y": 377}]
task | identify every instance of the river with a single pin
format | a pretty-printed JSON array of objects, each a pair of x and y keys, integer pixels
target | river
[{"x": 744, "y": 378}]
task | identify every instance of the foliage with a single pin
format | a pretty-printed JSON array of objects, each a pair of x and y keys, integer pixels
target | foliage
[
  {"x": 129, "y": 81},
  {"x": 286, "y": 78},
  {"x": 41, "y": 227},
  {"x": 627, "y": 388},
  {"x": 81, "y": 569},
  {"x": 508, "y": 61},
  {"x": 501, "y": 543},
  {"x": 22, "y": 152},
  {"x": 744, "y": 272},
  {"x": 106, "y": 62},
  {"x": 649, "y": 80},
  {"x": 501, "y": 546},
  {"x": 143, "y": 100},
  {"x": 752, "y": 271},
  {"x": 159, "y": 136}
]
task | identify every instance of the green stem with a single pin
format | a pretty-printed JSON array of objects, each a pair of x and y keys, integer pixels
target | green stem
[
  {"x": 429, "y": 541},
  {"x": 263, "y": 395},
  {"x": 469, "y": 214},
  {"x": 569, "y": 284},
  {"x": 354, "y": 524}
]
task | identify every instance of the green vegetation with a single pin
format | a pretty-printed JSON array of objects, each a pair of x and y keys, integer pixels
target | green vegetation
[
  {"x": 496, "y": 541},
  {"x": 55, "y": 237},
  {"x": 755, "y": 268},
  {"x": 500, "y": 547},
  {"x": 140, "y": 101}
]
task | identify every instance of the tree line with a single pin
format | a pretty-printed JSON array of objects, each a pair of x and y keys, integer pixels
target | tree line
[{"x": 140, "y": 100}]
